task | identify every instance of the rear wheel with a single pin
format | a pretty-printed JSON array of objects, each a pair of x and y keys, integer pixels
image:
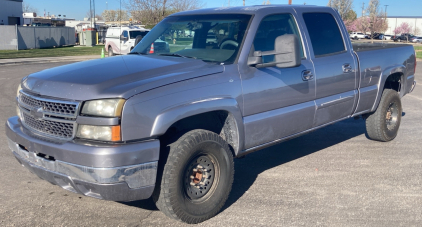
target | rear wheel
[
  {"x": 197, "y": 177},
  {"x": 110, "y": 51},
  {"x": 384, "y": 123}
]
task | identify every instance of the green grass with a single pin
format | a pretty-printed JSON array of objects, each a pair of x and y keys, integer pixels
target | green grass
[
  {"x": 51, "y": 52},
  {"x": 418, "y": 47},
  {"x": 419, "y": 54}
]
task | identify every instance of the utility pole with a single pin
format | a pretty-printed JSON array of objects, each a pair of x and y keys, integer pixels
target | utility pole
[
  {"x": 229, "y": 2},
  {"x": 363, "y": 7},
  {"x": 90, "y": 11},
  {"x": 93, "y": 2},
  {"x": 290, "y": 2},
  {"x": 243, "y": 2}
]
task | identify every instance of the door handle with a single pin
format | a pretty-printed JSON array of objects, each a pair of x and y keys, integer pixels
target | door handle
[
  {"x": 347, "y": 68},
  {"x": 307, "y": 75}
]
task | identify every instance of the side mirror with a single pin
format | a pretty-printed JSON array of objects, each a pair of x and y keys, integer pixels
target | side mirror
[
  {"x": 122, "y": 38},
  {"x": 286, "y": 54}
]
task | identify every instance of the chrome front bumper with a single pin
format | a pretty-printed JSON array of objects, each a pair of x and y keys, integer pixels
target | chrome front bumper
[{"x": 123, "y": 183}]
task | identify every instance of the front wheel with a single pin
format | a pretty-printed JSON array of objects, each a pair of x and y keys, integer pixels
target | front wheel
[
  {"x": 197, "y": 177},
  {"x": 110, "y": 51},
  {"x": 384, "y": 123}
]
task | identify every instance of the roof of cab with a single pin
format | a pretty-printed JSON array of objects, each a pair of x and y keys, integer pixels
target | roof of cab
[{"x": 242, "y": 9}]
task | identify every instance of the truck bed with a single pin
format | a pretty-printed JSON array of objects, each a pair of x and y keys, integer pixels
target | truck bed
[{"x": 359, "y": 47}]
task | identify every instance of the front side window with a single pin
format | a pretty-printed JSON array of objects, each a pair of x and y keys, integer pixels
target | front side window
[
  {"x": 125, "y": 34},
  {"x": 269, "y": 29},
  {"x": 211, "y": 38},
  {"x": 324, "y": 33}
]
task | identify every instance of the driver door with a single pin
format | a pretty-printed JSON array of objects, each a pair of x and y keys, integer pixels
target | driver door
[
  {"x": 125, "y": 43},
  {"x": 278, "y": 102}
]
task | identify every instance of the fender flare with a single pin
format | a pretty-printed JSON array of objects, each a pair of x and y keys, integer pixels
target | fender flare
[
  {"x": 168, "y": 117},
  {"x": 384, "y": 75}
]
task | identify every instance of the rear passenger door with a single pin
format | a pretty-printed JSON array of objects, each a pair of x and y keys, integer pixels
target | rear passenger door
[{"x": 335, "y": 65}]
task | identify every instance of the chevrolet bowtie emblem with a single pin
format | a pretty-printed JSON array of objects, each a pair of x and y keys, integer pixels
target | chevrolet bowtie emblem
[{"x": 37, "y": 113}]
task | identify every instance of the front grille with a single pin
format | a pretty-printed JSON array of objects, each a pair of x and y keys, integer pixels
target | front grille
[
  {"x": 51, "y": 128},
  {"x": 48, "y": 106},
  {"x": 49, "y": 118}
]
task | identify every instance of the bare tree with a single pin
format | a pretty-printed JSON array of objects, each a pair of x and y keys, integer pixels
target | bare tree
[
  {"x": 150, "y": 12},
  {"x": 27, "y": 8},
  {"x": 109, "y": 15},
  {"x": 377, "y": 18},
  {"x": 416, "y": 31},
  {"x": 114, "y": 15},
  {"x": 99, "y": 17},
  {"x": 184, "y": 5},
  {"x": 342, "y": 6}
]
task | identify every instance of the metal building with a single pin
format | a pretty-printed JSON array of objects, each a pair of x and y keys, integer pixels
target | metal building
[
  {"x": 396, "y": 21},
  {"x": 11, "y": 12}
]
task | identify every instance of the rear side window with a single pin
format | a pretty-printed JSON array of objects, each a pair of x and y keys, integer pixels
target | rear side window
[{"x": 324, "y": 33}]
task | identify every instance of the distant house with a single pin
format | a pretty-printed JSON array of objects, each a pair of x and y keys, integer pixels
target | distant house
[{"x": 11, "y": 12}]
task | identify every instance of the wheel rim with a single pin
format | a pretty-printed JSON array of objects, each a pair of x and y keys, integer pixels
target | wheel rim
[
  {"x": 199, "y": 177},
  {"x": 391, "y": 116}
]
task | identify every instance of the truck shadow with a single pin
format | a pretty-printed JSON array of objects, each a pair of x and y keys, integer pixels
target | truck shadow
[{"x": 247, "y": 169}]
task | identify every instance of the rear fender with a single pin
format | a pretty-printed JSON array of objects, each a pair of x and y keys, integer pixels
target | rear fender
[{"x": 381, "y": 84}]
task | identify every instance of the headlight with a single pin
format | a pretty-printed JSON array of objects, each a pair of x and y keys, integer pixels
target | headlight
[
  {"x": 104, "y": 107},
  {"x": 19, "y": 89},
  {"x": 104, "y": 133}
]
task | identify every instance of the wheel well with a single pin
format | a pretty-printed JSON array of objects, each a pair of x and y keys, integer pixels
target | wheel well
[
  {"x": 393, "y": 82},
  {"x": 220, "y": 122}
]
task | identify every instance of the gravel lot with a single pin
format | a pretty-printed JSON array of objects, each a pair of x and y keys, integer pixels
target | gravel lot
[{"x": 334, "y": 176}]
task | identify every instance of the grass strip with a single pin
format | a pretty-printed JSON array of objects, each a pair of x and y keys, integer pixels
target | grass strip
[{"x": 51, "y": 52}]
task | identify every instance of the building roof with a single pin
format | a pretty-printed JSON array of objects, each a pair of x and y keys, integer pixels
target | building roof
[{"x": 404, "y": 16}]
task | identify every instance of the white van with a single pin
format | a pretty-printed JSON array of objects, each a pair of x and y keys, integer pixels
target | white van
[{"x": 121, "y": 40}]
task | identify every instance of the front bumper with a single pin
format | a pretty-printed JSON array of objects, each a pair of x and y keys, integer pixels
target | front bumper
[{"x": 122, "y": 183}]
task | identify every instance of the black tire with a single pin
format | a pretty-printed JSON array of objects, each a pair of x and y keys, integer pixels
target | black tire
[
  {"x": 110, "y": 52},
  {"x": 384, "y": 123},
  {"x": 175, "y": 195}
]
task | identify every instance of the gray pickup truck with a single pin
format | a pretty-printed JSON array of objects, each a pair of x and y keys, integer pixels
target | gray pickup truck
[{"x": 167, "y": 124}]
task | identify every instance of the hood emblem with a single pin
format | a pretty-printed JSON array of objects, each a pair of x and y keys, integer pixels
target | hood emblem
[{"x": 37, "y": 113}]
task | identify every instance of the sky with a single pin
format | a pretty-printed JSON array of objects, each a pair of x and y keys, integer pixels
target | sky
[{"x": 77, "y": 9}]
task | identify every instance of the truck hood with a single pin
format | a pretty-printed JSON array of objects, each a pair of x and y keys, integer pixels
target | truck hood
[{"x": 120, "y": 76}]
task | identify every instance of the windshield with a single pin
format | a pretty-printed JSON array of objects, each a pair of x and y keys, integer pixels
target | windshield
[
  {"x": 211, "y": 38},
  {"x": 133, "y": 34}
]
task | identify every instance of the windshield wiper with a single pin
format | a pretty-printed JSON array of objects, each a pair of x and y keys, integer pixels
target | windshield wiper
[
  {"x": 177, "y": 55},
  {"x": 137, "y": 53}
]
